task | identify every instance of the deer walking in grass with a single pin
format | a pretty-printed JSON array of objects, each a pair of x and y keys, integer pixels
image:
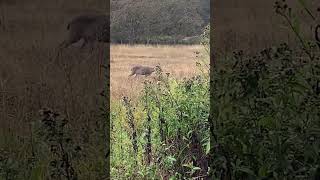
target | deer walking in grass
[
  {"x": 142, "y": 70},
  {"x": 90, "y": 28}
]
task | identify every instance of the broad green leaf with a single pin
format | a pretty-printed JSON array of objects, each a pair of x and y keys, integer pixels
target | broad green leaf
[{"x": 246, "y": 170}]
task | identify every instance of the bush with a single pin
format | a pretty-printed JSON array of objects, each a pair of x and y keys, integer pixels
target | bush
[
  {"x": 266, "y": 111},
  {"x": 168, "y": 130}
]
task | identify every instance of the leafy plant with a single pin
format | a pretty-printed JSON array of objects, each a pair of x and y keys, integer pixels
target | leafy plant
[
  {"x": 170, "y": 124},
  {"x": 265, "y": 115}
]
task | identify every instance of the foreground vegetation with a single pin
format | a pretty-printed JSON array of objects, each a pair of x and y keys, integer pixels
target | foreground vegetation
[
  {"x": 265, "y": 109},
  {"x": 165, "y": 133}
]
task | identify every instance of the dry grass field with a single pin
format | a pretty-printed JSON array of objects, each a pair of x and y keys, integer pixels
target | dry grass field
[
  {"x": 29, "y": 79},
  {"x": 179, "y": 61},
  {"x": 34, "y": 76}
]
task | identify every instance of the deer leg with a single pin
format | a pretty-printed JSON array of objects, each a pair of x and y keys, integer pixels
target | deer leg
[
  {"x": 135, "y": 77},
  {"x": 70, "y": 40},
  {"x": 62, "y": 45},
  {"x": 132, "y": 73},
  {"x": 85, "y": 41}
]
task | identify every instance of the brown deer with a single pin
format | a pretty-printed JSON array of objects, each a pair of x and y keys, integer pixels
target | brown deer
[
  {"x": 143, "y": 70},
  {"x": 90, "y": 28}
]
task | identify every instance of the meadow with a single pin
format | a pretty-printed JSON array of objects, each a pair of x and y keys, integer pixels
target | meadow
[
  {"x": 37, "y": 84},
  {"x": 178, "y": 60}
]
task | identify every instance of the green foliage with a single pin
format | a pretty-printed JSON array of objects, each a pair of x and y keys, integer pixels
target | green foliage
[
  {"x": 8, "y": 167},
  {"x": 62, "y": 148},
  {"x": 266, "y": 115},
  {"x": 170, "y": 125},
  {"x": 266, "y": 111}
]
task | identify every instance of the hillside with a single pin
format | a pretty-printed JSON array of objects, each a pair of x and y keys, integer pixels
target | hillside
[{"x": 157, "y": 21}]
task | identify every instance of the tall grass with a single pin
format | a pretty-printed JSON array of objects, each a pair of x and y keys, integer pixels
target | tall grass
[
  {"x": 30, "y": 81},
  {"x": 165, "y": 133}
]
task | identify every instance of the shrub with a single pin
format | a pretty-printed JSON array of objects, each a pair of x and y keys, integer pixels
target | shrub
[{"x": 266, "y": 111}]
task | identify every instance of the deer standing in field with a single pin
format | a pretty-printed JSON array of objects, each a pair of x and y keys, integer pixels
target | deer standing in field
[
  {"x": 143, "y": 70},
  {"x": 90, "y": 28}
]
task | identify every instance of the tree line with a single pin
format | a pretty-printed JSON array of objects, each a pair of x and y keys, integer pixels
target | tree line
[{"x": 158, "y": 21}]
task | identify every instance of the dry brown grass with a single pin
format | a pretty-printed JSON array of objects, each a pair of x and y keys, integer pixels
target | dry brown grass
[
  {"x": 30, "y": 32},
  {"x": 179, "y": 61},
  {"x": 33, "y": 76}
]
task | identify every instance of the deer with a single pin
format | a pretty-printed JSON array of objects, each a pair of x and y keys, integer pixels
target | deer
[
  {"x": 90, "y": 28},
  {"x": 143, "y": 70}
]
